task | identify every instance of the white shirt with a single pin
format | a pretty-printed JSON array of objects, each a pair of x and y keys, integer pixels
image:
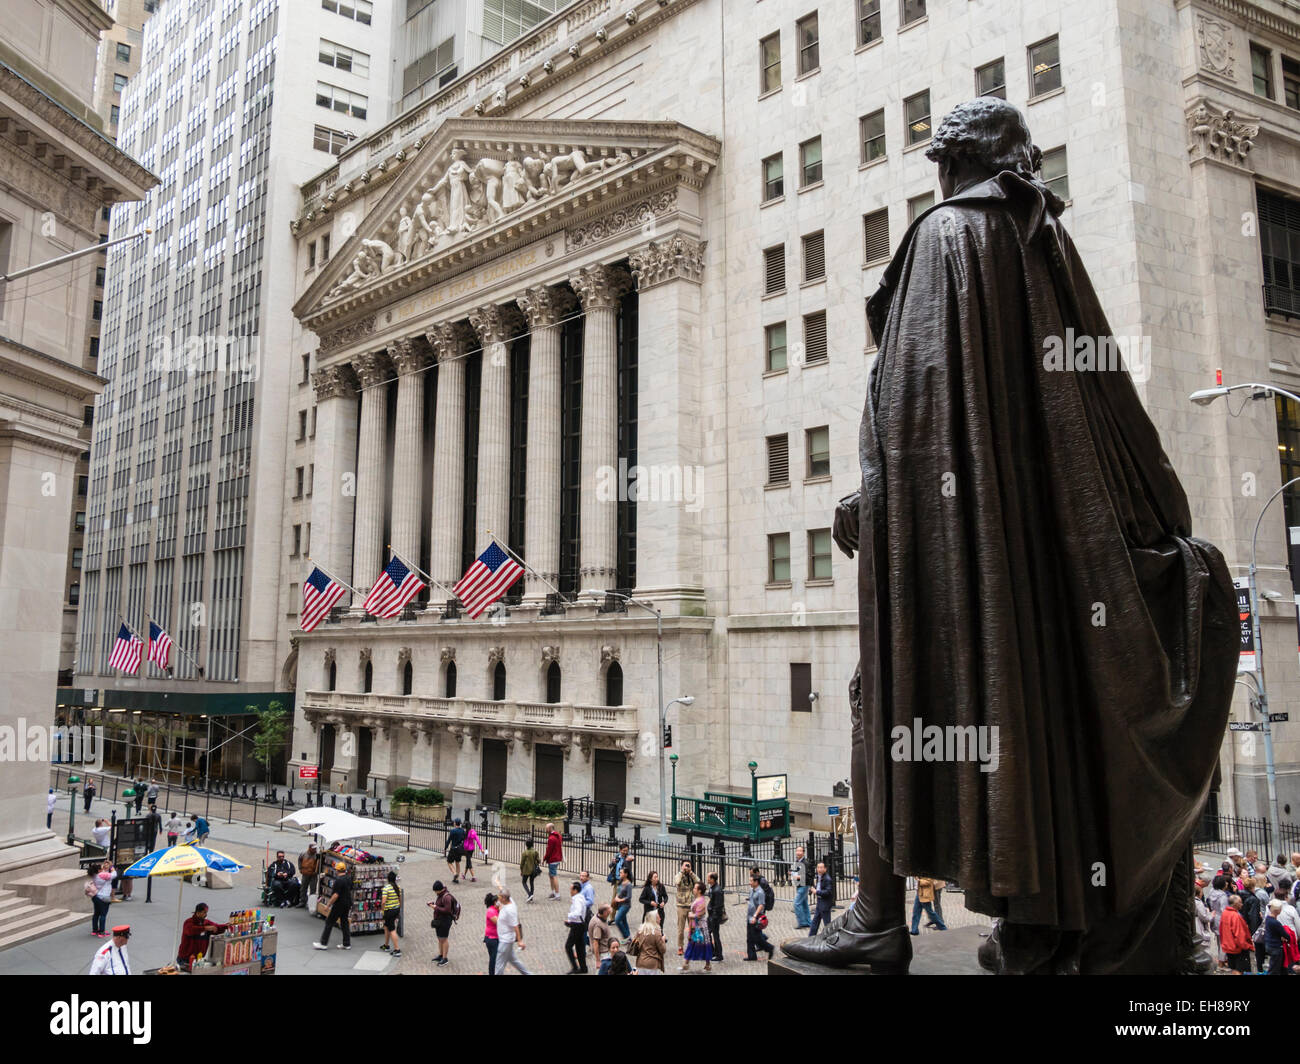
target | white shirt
[
  {"x": 105, "y": 885},
  {"x": 110, "y": 960},
  {"x": 507, "y": 921},
  {"x": 577, "y": 909},
  {"x": 50, "y": 799},
  {"x": 1290, "y": 917},
  {"x": 101, "y": 835}
]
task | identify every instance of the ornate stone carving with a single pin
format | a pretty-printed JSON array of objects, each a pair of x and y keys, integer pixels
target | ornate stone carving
[
  {"x": 667, "y": 260},
  {"x": 365, "y": 657},
  {"x": 608, "y": 653},
  {"x": 329, "y": 657},
  {"x": 334, "y": 382},
  {"x": 347, "y": 335},
  {"x": 1220, "y": 135},
  {"x": 602, "y": 35},
  {"x": 639, "y": 215},
  {"x": 448, "y": 654},
  {"x": 564, "y": 740},
  {"x": 1214, "y": 45},
  {"x": 544, "y": 305},
  {"x": 449, "y": 339},
  {"x": 584, "y": 744},
  {"x": 408, "y": 355},
  {"x": 496, "y": 323},
  {"x": 550, "y": 654},
  {"x": 372, "y": 368},
  {"x": 403, "y": 656},
  {"x": 549, "y": 66},
  {"x": 495, "y": 654},
  {"x": 524, "y": 81},
  {"x": 600, "y": 287}
]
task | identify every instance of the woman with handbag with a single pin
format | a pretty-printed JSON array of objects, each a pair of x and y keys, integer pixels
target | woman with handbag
[
  {"x": 699, "y": 947},
  {"x": 654, "y": 896},
  {"x": 649, "y": 947}
]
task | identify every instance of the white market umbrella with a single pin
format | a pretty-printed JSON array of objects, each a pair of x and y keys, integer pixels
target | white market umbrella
[
  {"x": 351, "y": 826},
  {"x": 309, "y": 817}
]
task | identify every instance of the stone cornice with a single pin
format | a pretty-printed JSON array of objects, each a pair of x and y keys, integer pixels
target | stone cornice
[
  {"x": 1255, "y": 17},
  {"x": 27, "y": 363}
]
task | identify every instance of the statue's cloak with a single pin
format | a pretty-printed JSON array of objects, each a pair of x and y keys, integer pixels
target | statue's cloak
[{"x": 1027, "y": 564}]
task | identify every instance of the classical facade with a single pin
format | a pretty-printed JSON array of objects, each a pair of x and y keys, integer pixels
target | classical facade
[{"x": 679, "y": 208}]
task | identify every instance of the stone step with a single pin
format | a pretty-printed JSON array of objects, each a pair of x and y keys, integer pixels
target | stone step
[
  {"x": 51, "y": 920},
  {"x": 10, "y": 903}
]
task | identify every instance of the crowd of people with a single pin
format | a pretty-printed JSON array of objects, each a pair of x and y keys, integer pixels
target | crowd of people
[{"x": 1246, "y": 914}]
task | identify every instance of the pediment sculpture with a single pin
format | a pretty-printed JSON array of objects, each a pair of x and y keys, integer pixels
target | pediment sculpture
[{"x": 468, "y": 195}]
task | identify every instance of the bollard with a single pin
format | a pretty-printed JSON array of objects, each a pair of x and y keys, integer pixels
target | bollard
[
  {"x": 586, "y": 832},
  {"x": 611, "y": 832},
  {"x": 379, "y": 807},
  {"x": 254, "y": 807},
  {"x": 363, "y": 805},
  {"x": 230, "y": 813},
  {"x": 334, "y": 801},
  {"x": 636, "y": 835},
  {"x": 348, "y": 803}
]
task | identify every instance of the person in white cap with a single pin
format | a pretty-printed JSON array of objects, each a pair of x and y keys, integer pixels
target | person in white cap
[{"x": 111, "y": 958}]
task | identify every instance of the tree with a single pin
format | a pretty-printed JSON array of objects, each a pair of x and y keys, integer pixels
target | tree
[{"x": 268, "y": 740}]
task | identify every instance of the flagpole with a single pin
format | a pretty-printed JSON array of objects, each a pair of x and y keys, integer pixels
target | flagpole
[
  {"x": 176, "y": 644},
  {"x": 432, "y": 582},
  {"x": 333, "y": 577},
  {"x": 527, "y": 568}
]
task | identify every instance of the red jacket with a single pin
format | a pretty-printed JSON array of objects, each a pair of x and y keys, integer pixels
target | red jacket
[
  {"x": 1234, "y": 935},
  {"x": 554, "y": 854}
]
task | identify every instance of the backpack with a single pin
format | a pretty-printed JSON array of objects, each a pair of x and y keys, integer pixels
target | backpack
[
  {"x": 769, "y": 895},
  {"x": 455, "y": 909}
]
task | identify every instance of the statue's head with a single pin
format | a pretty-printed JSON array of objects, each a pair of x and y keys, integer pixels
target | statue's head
[
  {"x": 981, "y": 138},
  {"x": 458, "y": 155}
]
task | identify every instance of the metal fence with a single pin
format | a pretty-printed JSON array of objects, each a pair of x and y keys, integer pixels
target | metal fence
[{"x": 1246, "y": 833}]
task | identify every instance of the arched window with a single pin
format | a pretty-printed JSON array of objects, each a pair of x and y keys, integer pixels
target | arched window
[
  {"x": 499, "y": 682},
  {"x": 334, "y": 676},
  {"x": 449, "y": 690},
  {"x": 553, "y": 682},
  {"x": 614, "y": 684},
  {"x": 408, "y": 678},
  {"x": 368, "y": 678}
]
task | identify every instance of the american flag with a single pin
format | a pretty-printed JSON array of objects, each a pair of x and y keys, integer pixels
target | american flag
[
  {"x": 126, "y": 651},
  {"x": 319, "y": 594},
  {"x": 396, "y": 586},
  {"x": 160, "y": 646},
  {"x": 487, "y": 579}
]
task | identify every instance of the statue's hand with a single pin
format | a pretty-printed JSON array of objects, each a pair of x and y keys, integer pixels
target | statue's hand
[{"x": 845, "y": 530}]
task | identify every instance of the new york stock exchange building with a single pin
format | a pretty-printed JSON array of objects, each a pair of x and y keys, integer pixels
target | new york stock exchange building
[{"x": 514, "y": 325}]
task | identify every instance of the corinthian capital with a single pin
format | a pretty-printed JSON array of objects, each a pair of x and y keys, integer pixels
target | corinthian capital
[
  {"x": 449, "y": 339},
  {"x": 408, "y": 355},
  {"x": 372, "y": 368},
  {"x": 544, "y": 305},
  {"x": 680, "y": 257},
  {"x": 600, "y": 287},
  {"x": 334, "y": 382}
]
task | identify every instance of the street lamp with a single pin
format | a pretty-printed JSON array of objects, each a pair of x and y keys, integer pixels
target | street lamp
[
  {"x": 1204, "y": 397},
  {"x": 686, "y": 700}
]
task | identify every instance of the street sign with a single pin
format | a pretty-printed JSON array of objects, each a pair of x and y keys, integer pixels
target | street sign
[
  {"x": 1279, "y": 718},
  {"x": 306, "y": 772},
  {"x": 1245, "y": 725},
  {"x": 668, "y": 736},
  {"x": 832, "y": 810},
  {"x": 1246, "y": 660}
]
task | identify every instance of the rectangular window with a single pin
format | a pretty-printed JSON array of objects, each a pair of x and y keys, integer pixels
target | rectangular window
[
  {"x": 773, "y": 177},
  {"x": 297, "y": 480},
  {"x": 814, "y": 257},
  {"x": 76, "y": 557},
  {"x": 868, "y": 21},
  {"x": 778, "y": 558},
  {"x": 778, "y": 460},
  {"x": 814, "y": 337},
  {"x": 302, "y": 424},
  {"x": 1279, "y": 237},
  {"x": 99, "y": 276},
  {"x": 330, "y": 140},
  {"x": 83, "y": 484},
  {"x": 819, "y": 554},
  {"x": 769, "y": 49},
  {"x": 340, "y": 57},
  {"x": 123, "y": 53},
  {"x": 800, "y": 687},
  {"x": 325, "y": 248},
  {"x": 79, "y": 521},
  {"x": 916, "y": 116},
  {"x": 114, "y": 113},
  {"x": 94, "y": 347},
  {"x": 806, "y": 34},
  {"x": 87, "y": 415},
  {"x": 297, "y": 540},
  {"x": 918, "y": 205},
  {"x": 991, "y": 79},
  {"x": 912, "y": 11},
  {"x": 306, "y": 359},
  {"x": 871, "y": 131},
  {"x": 74, "y": 594},
  {"x": 357, "y": 10},
  {"x": 1291, "y": 82},
  {"x": 875, "y": 235},
  {"x": 810, "y": 162},
  {"x": 311, "y": 250},
  {"x": 334, "y": 98},
  {"x": 774, "y": 270},
  {"x": 774, "y": 343},
  {"x": 119, "y": 83},
  {"x": 1261, "y": 70},
  {"x": 312, "y": 434},
  {"x": 818, "y": 445},
  {"x": 1055, "y": 174},
  {"x": 97, "y": 311},
  {"x": 311, "y": 477},
  {"x": 1044, "y": 66},
  {"x": 306, "y": 538}
]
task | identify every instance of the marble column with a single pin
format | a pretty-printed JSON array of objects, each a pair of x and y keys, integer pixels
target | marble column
[
  {"x": 373, "y": 370},
  {"x": 410, "y": 357},
  {"x": 495, "y": 326},
  {"x": 544, "y": 307},
  {"x": 599, "y": 288},
  {"x": 334, "y": 492},
  {"x": 450, "y": 342}
]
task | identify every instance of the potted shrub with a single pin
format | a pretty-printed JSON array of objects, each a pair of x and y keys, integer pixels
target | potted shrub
[
  {"x": 423, "y": 804},
  {"x": 516, "y": 814},
  {"x": 549, "y": 812}
]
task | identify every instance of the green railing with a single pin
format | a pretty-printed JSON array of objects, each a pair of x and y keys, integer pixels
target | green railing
[{"x": 727, "y": 816}]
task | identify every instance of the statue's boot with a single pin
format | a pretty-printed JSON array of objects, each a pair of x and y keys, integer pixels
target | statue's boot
[{"x": 1020, "y": 949}]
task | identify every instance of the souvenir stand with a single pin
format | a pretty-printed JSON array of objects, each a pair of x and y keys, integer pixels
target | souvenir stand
[
  {"x": 246, "y": 947},
  {"x": 368, "y": 879}
]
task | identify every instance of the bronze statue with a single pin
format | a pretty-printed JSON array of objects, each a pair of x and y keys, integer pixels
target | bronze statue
[{"x": 1028, "y": 585}]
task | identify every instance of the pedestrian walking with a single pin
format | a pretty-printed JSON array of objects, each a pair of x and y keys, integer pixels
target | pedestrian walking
[
  {"x": 649, "y": 947},
  {"x": 446, "y": 911},
  {"x": 589, "y": 899},
  {"x": 511, "y": 934},
  {"x": 799, "y": 877},
  {"x": 471, "y": 845},
  {"x": 717, "y": 915},
  {"x": 492, "y": 913},
  {"x": 599, "y": 934},
  {"x": 111, "y": 958},
  {"x": 654, "y": 899},
  {"x": 684, "y": 885},
  {"x": 309, "y": 871},
  {"x": 455, "y": 849},
  {"x": 924, "y": 900},
  {"x": 616, "y": 963},
  {"x": 99, "y": 889},
  {"x": 201, "y": 830},
  {"x": 615, "y": 866},
  {"x": 824, "y": 889},
  {"x": 699, "y": 946},
  {"x": 392, "y": 902},
  {"x": 530, "y": 867},
  {"x": 554, "y": 857},
  {"x": 50, "y": 800},
  {"x": 756, "y": 917},
  {"x": 340, "y": 907},
  {"x": 574, "y": 947},
  {"x": 939, "y": 884},
  {"x": 1275, "y": 939},
  {"x": 153, "y": 792},
  {"x": 174, "y": 827},
  {"x": 88, "y": 793},
  {"x": 138, "y": 787},
  {"x": 623, "y": 900},
  {"x": 1234, "y": 937},
  {"x": 153, "y": 824}
]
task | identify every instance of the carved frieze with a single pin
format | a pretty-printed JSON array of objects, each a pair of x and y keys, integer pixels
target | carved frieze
[
  {"x": 679, "y": 257},
  {"x": 640, "y": 215},
  {"x": 347, "y": 335},
  {"x": 1220, "y": 135},
  {"x": 1214, "y": 45}
]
